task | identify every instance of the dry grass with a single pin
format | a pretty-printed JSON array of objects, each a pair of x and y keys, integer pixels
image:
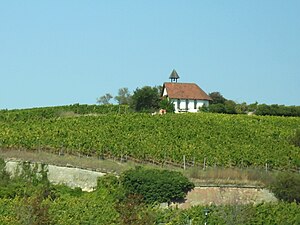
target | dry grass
[
  {"x": 67, "y": 114},
  {"x": 210, "y": 176},
  {"x": 84, "y": 162},
  {"x": 232, "y": 176}
]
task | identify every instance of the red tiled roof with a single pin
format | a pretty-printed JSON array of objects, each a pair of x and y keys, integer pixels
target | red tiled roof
[{"x": 185, "y": 91}]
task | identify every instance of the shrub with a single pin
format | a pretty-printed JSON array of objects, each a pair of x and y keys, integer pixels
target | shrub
[
  {"x": 4, "y": 176},
  {"x": 133, "y": 211},
  {"x": 287, "y": 187},
  {"x": 296, "y": 139},
  {"x": 167, "y": 105},
  {"x": 156, "y": 185}
]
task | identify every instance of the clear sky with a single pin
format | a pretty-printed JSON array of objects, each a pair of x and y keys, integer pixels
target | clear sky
[{"x": 58, "y": 52}]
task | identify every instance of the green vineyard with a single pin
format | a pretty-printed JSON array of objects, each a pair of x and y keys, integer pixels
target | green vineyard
[{"x": 219, "y": 140}]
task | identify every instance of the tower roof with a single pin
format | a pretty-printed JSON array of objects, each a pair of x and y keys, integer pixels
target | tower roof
[{"x": 174, "y": 75}]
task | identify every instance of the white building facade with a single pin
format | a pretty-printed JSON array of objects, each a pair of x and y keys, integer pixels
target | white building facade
[
  {"x": 188, "y": 105},
  {"x": 186, "y": 97}
]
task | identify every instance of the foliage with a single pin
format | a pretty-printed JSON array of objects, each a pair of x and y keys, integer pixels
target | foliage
[
  {"x": 30, "y": 186},
  {"x": 230, "y": 107},
  {"x": 38, "y": 202},
  {"x": 105, "y": 99},
  {"x": 133, "y": 211},
  {"x": 217, "y": 108},
  {"x": 61, "y": 190},
  {"x": 203, "y": 108},
  {"x": 103, "y": 206},
  {"x": 123, "y": 97},
  {"x": 287, "y": 187},
  {"x": 296, "y": 138},
  {"x": 156, "y": 185},
  {"x": 234, "y": 214},
  {"x": 219, "y": 104},
  {"x": 33, "y": 210},
  {"x": 279, "y": 213},
  {"x": 242, "y": 108},
  {"x": 8, "y": 214},
  {"x": 4, "y": 175},
  {"x": 26, "y": 180},
  {"x": 112, "y": 184},
  {"x": 91, "y": 208},
  {"x": 60, "y": 111},
  {"x": 217, "y": 98},
  {"x": 145, "y": 99},
  {"x": 265, "y": 213},
  {"x": 223, "y": 140},
  {"x": 167, "y": 105}
]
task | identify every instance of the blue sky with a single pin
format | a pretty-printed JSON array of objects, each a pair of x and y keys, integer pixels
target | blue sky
[{"x": 62, "y": 52}]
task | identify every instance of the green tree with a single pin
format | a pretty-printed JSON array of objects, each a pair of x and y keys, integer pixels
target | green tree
[
  {"x": 145, "y": 99},
  {"x": 156, "y": 185},
  {"x": 252, "y": 107},
  {"x": 105, "y": 99},
  {"x": 217, "y": 108},
  {"x": 204, "y": 108},
  {"x": 241, "y": 108},
  {"x": 230, "y": 107},
  {"x": 263, "y": 110},
  {"x": 167, "y": 105},
  {"x": 123, "y": 97},
  {"x": 217, "y": 98}
]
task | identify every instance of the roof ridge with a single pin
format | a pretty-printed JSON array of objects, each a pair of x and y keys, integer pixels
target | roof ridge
[{"x": 180, "y": 83}]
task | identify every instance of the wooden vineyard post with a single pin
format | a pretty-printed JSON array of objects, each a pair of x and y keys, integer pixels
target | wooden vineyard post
[
  {"x": 204, "y": 163},
  {"x": 184, "y": 162}
]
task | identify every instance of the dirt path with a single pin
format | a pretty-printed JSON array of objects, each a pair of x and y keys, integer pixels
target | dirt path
[{"x": 226, "y": 195}]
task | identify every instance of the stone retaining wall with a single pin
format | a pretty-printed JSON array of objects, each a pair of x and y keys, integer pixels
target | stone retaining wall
[
  {"x": 87, "y": 181},
  {"x": 72, "y": 177}
]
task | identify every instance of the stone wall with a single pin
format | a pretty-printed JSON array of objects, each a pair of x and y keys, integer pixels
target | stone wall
[
  {"x": 87, "y": 181},
  {"x": 72, "y": 177}
]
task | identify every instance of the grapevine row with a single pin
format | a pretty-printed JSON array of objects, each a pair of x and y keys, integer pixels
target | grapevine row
[{"x": 222, "y": 140}]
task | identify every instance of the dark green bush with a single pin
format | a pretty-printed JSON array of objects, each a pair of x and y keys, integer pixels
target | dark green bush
[
  {"x": 286, "y": 187},
  {"x": 156, "y": 185}
]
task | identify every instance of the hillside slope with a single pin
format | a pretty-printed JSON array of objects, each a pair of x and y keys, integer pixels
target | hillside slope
[{"x": 222, "y": 140}]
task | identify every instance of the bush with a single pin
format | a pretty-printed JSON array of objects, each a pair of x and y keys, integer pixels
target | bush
[
  {"x": 296, "y": 139},
  {"x": 156, "y": 185},
  {"x": 167, "y": 105},
  {"x": 287, "y": 187},
  {"x": 217, "y": 108},
  {"x": 4, "y": 176},
  {"x": 145, "y": 99}
]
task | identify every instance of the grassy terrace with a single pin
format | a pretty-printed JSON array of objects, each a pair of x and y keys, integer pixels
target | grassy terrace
[{"x": 209, "y": 176}]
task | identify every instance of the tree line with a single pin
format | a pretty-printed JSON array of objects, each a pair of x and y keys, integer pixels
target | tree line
[
  {"x": 148, "y": 99},
  {"x": 145, "y": 99},
  {"x": 220, "y": 104}
]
